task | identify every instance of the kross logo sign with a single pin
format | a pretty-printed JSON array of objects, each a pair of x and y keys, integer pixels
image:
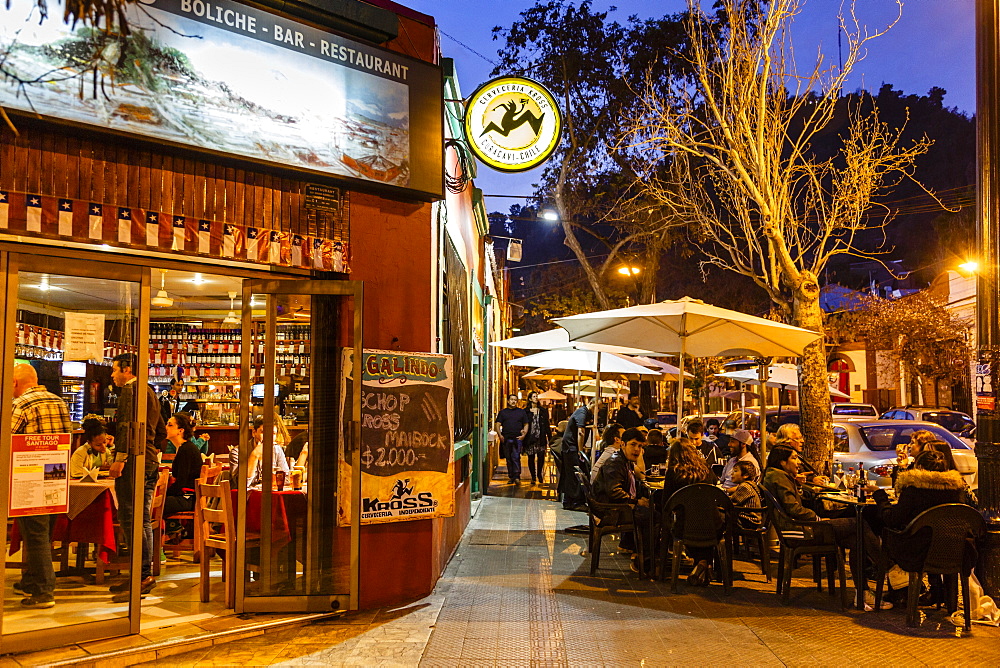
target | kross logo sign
[
  {"x": 401, "y": 502},
  {"x": 512, "y": 123}
]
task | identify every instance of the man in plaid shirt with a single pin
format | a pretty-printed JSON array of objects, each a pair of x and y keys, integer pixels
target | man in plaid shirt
[{"x": 37, "y": 411}]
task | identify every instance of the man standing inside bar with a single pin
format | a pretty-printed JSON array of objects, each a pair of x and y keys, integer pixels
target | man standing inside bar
[
  {"x": 123, "y": 375},
  {"x": 512, "y": 425},
  {"x": 37, "y": 411}
]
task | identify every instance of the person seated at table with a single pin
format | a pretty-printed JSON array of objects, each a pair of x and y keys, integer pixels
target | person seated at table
[
  {"x": 929, "y": 483},
  {"x": 655, "y": 452},
  {"x": 686, "y": 466},
  {"x": 200, "y": 440},
  {"x": 780, "y": 480},
  {"x": 611, "y": 440},
  {"x": 184, "y": 470},
  {"x": 298, "y": 449},
  {"x": 789, "y": 435},
  {"x": 254, "y": 472},
  {"x": 95, "y": 452},
  {"x": 617, "y": 482},
  {"x": 949, "y": 460},
  {"x": 739, "y": 451},
  {"x": 744, "y": 494}
]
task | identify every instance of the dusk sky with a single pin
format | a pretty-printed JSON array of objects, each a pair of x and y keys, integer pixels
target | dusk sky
[{"x": 932, "y": 45}]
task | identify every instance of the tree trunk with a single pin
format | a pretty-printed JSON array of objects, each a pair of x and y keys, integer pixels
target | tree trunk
[{"x": 814, "y": 386}]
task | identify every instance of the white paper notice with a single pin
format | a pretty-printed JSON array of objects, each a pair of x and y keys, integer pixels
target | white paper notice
[{"x": 84, "y": 336}]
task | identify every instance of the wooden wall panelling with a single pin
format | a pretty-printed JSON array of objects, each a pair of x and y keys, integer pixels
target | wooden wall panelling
[
  {"x": 239, "y": 194},
  {"x": 85, "y": 160},
  {"x": 200, "y": 188},
  {"x": 146, "y": 180},
  {"x": 34, "y": 146}
]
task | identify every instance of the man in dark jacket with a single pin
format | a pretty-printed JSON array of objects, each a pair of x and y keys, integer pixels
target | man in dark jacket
[
  {"x": 617, "y": 483},
  {"x": 573, "y": 496},
  {"x": 512, "y": 425},
  {"x": 123, "y": 369},
  {"x": 629, "y": 415},
  {"x": 779, "y": 479}
]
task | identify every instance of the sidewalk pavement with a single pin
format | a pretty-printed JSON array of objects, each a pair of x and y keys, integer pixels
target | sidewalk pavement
[{"x": 518, "y": 593}]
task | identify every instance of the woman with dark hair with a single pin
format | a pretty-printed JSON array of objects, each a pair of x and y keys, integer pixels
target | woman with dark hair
[
  {"x": 95, "y": 452},
  {"x": 780, "y": 481},
  {"x": 930, "y": 482},
  {"x": 944, "y": 450},
  {"x": 185, "y": 468},
  {"x": 536, "y": 441},
  {"x": 278, "y": 461},
  {"x": 686, "y": 466}
]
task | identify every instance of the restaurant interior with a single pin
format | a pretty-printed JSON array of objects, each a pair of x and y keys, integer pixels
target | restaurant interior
[{"x": 194, "y": 333}]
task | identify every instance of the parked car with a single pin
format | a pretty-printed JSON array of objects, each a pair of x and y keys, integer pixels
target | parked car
[
  {"x": 957, "y": 422},
  {"x": 751, "y": 421},
  {"x": 873, "y": 442},
  {"x": 854, "y": 410}
]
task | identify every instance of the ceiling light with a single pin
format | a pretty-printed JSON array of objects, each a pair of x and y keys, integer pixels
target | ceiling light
[
  {"x": 231, "y": 319},
  {"x": 161, "y": 299},
  {"x": 198, "y": 279},
  {"x": 44, "y": 285}
]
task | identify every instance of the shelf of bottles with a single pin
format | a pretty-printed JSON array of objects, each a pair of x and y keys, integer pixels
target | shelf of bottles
[
  {"x": 41, "y": 343},
  {"x": 291, "y": 351}
]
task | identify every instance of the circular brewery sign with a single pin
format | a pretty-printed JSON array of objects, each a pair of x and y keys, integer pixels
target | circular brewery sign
[{"x": 512, "y": 123}]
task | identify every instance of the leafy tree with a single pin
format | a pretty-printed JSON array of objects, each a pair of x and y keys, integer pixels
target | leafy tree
[
  {"x": 932, "y": 343},
  {"x": 733, "y": 153}
]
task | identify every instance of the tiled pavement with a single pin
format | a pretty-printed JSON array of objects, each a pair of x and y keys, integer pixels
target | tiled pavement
[{"x": 518, "y": 592}]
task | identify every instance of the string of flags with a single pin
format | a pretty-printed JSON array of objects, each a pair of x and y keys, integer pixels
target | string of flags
[{"x": 91, "y": 222}]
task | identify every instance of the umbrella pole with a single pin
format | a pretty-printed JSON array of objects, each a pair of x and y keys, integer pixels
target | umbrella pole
[
  {"x": 597, "y": 411},
  {"x": 762, "y": 375},
  {"x": 680, "y": 384}
]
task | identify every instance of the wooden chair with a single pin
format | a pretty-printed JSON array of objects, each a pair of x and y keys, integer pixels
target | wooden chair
[
  {"x": 216, "y": 524},
  {"x": 156, "y": 518},
  {"x": 209, "y": 475},
  {"x": 120, "y": 563}
]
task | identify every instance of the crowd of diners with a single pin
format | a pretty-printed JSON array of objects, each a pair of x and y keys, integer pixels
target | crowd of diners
[{"x": 632, "y": 448}]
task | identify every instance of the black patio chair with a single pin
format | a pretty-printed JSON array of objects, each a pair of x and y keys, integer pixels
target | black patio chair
[
  {"x": 805, "y": 538},
  {"x": 606, "y": 518},
  {"x": 702, "y": 517},
  {"x": 953, "y": 530},
  {"x": 757, "y": 534}
]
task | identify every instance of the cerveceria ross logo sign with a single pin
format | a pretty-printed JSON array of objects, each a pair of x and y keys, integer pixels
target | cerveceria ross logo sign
[{"x": 512, "y": 124}]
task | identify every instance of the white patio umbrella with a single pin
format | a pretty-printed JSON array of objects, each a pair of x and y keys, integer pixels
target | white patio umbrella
[
  {"x": 552, "y": 395},
  {"x": 555, "y": 339},
  {"x": 688, "y": 327},
  {"x": 588, "y": 388},
  {"x": 779, "y": 375}
]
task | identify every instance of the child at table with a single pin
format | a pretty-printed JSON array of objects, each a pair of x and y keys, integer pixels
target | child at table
[
  {"x": 745, "y": 495},
  {"x": 95, "y": 453}
]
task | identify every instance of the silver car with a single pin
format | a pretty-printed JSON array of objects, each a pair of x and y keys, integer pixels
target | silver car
[{"x": 873, "y": 443}]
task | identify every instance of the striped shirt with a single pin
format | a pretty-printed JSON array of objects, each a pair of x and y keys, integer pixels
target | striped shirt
[{"x": 38, "y": 411}]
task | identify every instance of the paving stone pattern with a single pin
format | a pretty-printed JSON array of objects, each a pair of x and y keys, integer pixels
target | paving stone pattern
[{"x": 518, "y": 593}]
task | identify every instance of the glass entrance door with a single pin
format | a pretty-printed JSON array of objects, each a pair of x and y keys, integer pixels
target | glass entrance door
[
  {"x": 298, "y": 475},
  {"x": 72, "y": 353}
]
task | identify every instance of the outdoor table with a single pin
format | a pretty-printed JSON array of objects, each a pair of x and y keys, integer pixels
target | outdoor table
[{"x": 859, "y": 508}]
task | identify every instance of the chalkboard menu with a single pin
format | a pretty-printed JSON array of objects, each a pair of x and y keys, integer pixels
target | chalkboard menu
[
  {"x": 405, "y": 428},
  {"x": 407, "y": 445}
]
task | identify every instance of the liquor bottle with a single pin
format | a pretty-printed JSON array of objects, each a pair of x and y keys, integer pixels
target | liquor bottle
[{"x": 862, "y": 482}]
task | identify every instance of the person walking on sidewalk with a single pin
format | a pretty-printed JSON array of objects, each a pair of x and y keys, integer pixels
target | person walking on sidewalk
[
  {"x": 123, "y": 369},
  {"x": 37, "y": 411},
  {"x": 512, "y": 424},
  {"x": 536, "y": 442}
]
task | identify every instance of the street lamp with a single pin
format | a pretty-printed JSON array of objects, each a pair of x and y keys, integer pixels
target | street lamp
[
  {"x": 969, "y": 266},
  {"x": 550, "y": 215},
  {"x": 628, "y": 271}
]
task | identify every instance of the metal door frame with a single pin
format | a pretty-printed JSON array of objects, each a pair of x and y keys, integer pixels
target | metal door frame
[
  {"x": 11, "y": 263},
  {"x": 308, "y": 287}
]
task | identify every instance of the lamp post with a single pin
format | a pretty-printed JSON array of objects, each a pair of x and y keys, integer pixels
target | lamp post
[{"x": 988, "y": 281}]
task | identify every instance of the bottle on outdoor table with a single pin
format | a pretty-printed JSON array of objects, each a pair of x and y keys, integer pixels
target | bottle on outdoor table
[{"x": 862, "y": 482}]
